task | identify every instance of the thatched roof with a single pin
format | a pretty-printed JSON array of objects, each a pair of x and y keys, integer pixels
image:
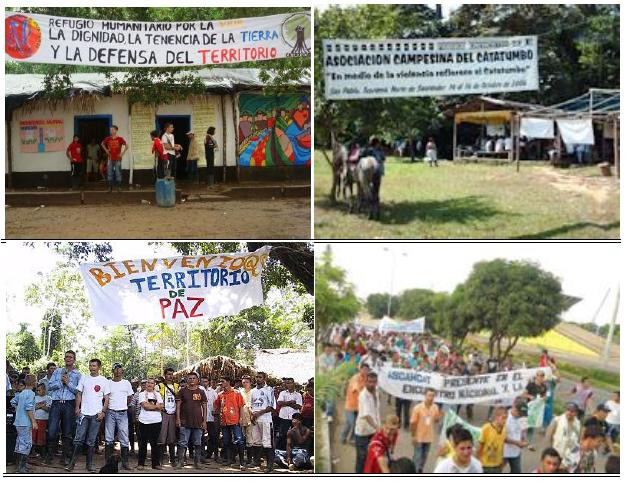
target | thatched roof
[{"x": 277, "y": 363}]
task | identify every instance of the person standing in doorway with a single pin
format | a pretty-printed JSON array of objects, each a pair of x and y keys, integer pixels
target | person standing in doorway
[
  {"x": 192, "y": 159},
  {"x": 74, "y": 155},
  {"x": 92, "y": 159},
  {"x": 161, "y": 157},
  {"x": 210, "y": 146},
  {"x": 115, "y": 147},
  {"x": 93, "y": 396},
  {"x": 121, "y": 393},
  {"x": 171, "y": 148}
]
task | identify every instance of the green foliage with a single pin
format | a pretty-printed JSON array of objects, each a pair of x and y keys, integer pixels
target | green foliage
[
  {"x": 378, "y": 304},
  {"x": 79, "y": 251},
  {"x": 155, "y": 85},
  {"x": 510, "y": 300},
  {"x": 51, "y": 326},
  {"x": 22, "y": 347},
  {"x": 336, "y": 301},
  {"x": 415, "y": 303}
]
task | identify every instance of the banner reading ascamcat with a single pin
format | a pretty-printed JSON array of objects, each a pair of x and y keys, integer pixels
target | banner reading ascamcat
[
  {"x": 80, "y": 41},
  {"x": 412, "y": 384},
  {"x": 414, "y": 326},
  {"x": 359, "y": 69},
  {"x": 174, "y": 288}
]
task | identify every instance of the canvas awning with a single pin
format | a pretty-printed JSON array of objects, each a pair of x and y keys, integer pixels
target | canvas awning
[{"x": 484, "y": 117}]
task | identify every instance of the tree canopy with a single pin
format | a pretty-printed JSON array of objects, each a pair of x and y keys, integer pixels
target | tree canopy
[{"x": 579, "y": 48}]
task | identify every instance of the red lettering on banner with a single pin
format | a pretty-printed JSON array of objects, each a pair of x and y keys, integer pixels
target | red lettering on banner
[{"x": 179, "y": 307}]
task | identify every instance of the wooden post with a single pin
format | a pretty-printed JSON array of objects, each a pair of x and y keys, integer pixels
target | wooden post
[
  {"x": 518, "y": 146},
  {"x": 236, "y": 136},
  {"x": 454, "y": 138},
  {"x": 617, "y": 156},
  {"x": 512, "y": 136},
  {"x": 9, "y": 152},
  {"x": 223, "y": 124}
]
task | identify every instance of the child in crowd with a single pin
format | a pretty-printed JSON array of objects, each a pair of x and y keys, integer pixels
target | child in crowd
[
  {"x": 42, "y": 407},
  {"x": 24, "y": 403}
]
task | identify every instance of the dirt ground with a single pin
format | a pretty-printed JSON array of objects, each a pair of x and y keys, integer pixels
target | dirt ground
[
  {"x": 284, "y": 218},
  {"x": 80, "y": 467}
]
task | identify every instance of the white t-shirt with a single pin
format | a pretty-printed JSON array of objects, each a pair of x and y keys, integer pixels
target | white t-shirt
[
  {"x": 169, "y": 139},
  {"x": 368, "y": 405},
  {"x": 448, "y": 466},
  {"x": 119, "y": 392},
  {"x": 93, "y": 389},
  {"x": 514, "y": 432},
  {"x": 149, "y": 416},
  {"x": 614, "y": 416},
  {"x": 285, "y": 396},
  {"x": 211, "y": 395},
  {"x": 170, "y": 402},
  {"x": 260, "y": 399}
]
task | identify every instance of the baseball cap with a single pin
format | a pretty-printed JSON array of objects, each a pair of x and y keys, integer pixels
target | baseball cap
[
  {"x": 117, "y": 365},
  {"x": 601, "y": 407}
]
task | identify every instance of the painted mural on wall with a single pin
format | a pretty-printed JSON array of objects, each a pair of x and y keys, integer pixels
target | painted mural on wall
[
  {"x": 274, "y": 130},
  {"x": 41, "y": 135}
]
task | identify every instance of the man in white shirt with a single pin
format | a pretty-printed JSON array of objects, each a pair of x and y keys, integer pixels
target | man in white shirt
[
  {"x": 368, "y": 421},
  {"x": 462, "y": 462},
  {"x": 213, "y": 442},
  {"x": 262, "y": 403},
  {"x": 289, "y": 402},
  {"x": 168, "y": 144},
  {"x": 614, "y": 416},
  {"x": 91, "y": 403},
  {"x": 515, "y": 440},
  {"x": 117, "y": 415}
]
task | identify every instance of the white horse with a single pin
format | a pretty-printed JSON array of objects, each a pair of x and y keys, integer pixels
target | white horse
[{"x": 366, "y": 177}]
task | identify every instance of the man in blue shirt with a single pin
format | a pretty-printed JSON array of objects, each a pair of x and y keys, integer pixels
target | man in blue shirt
[
  {"x": 62, "y": 389},
  {"x": 50, "y": 369}
]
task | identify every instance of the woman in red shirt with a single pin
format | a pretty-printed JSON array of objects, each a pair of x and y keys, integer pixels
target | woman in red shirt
[
  {"x": 381, "y": 447},
  {"x": 161, "y": 157},
  {"x": 74, "y": 154}
]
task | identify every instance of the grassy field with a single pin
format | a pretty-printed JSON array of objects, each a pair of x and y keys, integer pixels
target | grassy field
[{"x": 476, "y": 201}]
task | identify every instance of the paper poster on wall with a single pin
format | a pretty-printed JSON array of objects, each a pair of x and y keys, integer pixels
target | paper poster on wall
[
  {"x": 80, "y": 41},
  {"x": 274, "y": 130},
  {"x": 365, "y": 69},
  {"x": 174, "y": 289},
  {"x": 41, "y": 135}
]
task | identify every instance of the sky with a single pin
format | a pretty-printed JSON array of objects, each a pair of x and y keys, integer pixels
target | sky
[{"x": 586, "y": 270}]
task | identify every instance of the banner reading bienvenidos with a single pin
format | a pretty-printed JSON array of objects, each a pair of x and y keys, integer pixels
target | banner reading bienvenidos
[
  {"x": 174, "y": 289},
  {"x": 364, "y": 69},
  {"x": 79, "y": 41}
]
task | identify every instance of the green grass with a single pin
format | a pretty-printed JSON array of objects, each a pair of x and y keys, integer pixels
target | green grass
[{"x": 476, "y": 201}]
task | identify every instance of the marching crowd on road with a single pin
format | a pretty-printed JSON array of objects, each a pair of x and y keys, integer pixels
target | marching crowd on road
[
  {"x": 576, "y": 436},
  {"x": 196, "y": 418}
]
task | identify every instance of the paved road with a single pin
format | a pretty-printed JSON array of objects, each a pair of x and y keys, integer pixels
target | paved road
[{"x": 343, "y": 455}]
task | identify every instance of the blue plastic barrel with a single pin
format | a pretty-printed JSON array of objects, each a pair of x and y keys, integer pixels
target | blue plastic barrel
[{"x": 166, "y": 193}]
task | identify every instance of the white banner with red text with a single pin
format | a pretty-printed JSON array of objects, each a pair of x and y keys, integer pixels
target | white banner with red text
[{"x": 90, "y": 42}]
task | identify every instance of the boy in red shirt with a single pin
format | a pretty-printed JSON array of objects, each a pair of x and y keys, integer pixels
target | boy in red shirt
[
  {"x": 230, "y": 403},
  {"x": 113, "y": 147},
  {"x": 74, "y": 155},
  {"x": 381, "y": 447},
  {"x": 161, "y": 157}
]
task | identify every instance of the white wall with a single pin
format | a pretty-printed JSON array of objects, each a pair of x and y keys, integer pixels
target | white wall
[{"x": 116, "y": 106}]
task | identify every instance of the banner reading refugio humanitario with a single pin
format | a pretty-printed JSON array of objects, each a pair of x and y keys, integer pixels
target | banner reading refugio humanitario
[
  {"x": 80, "y": 41},
  {"x": 359, "y": 69}
]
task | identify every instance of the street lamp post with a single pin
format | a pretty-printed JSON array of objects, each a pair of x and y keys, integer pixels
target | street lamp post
[{"x": 393, "y": 264}]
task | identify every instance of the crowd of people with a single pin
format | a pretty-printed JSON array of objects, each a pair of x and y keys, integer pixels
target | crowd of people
[
  {"x": 575, "y": 437},
  {"x": 235, "y": 422},
  {"x": 103, "y": 160}
]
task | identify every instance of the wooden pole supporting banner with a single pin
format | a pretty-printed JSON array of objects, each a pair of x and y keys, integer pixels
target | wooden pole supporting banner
[{"x": 224, "y": 125}]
